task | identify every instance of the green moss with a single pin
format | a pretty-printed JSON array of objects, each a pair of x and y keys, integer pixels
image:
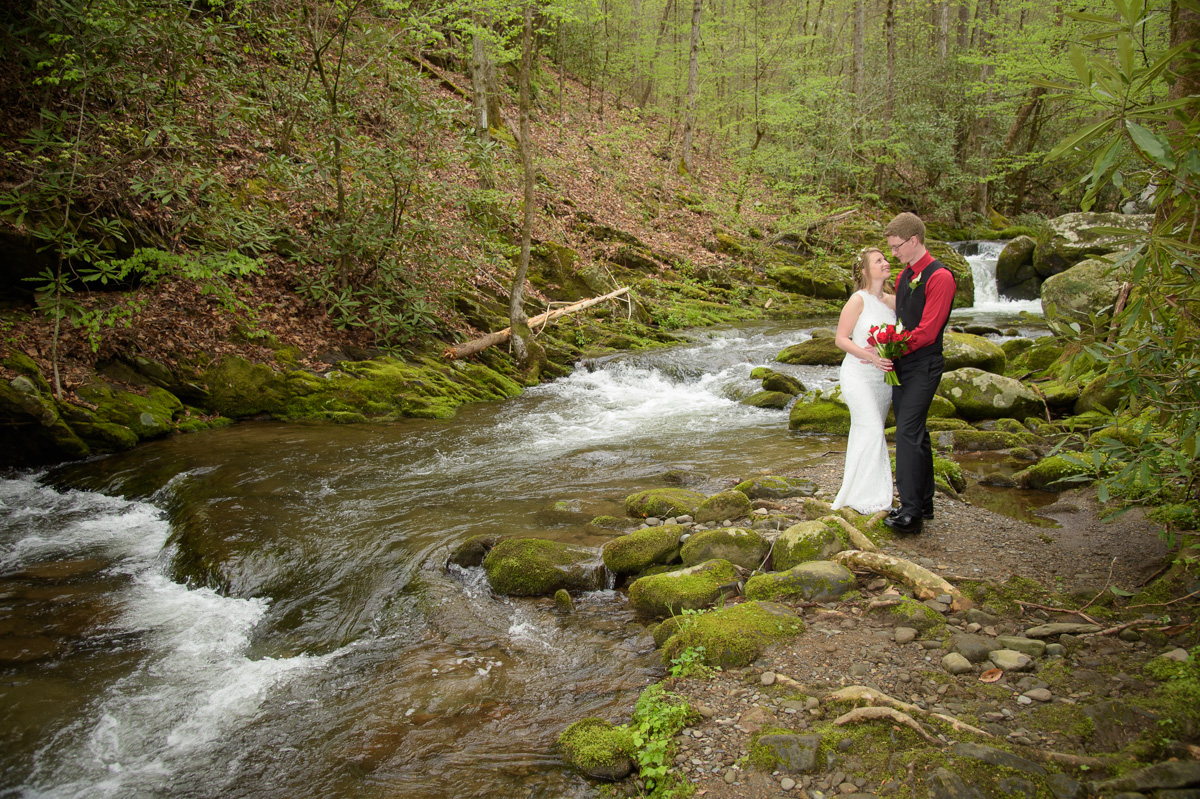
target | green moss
[
  {"x": 1046, "y": 474},
  {"x": 738, "y": 545},
  {"x": 734, "y": 636},
  {"x": 641, "y": 549},
  {"x": 951, "y": 472},
  {"x": 685, "y": 589},
  {"x": 815, "y": 415},
  {"x": 537, "y": 567},
  {"x": 806, "y": 541},
  {"x": 663, "y": 503},
  {"x": 593, "y": 743}
]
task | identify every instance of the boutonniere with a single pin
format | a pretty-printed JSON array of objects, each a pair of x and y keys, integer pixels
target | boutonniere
[{"x": 912, "y": 284}]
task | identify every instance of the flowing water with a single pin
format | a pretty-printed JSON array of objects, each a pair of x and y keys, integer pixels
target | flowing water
[{"x": 339, "y": 657}]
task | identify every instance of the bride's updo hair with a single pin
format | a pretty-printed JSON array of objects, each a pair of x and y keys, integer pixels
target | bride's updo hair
[{"x": 860, "y": 266}]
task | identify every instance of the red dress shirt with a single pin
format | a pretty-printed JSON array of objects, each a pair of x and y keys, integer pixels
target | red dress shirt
[{"x": 939, "y": 295}]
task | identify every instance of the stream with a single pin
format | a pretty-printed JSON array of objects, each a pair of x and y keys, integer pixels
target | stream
[{"x": 340, "y": 658}]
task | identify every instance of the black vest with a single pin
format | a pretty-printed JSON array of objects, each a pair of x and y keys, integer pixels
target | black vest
[{"x": 910, "y": 307}]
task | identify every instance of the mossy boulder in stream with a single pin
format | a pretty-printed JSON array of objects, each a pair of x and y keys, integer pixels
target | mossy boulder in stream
[
  {"x": 817, "y": 351},
  {"x": 977, "y": 395},
  {"x": 146, "y": 416},
  {"x": 539, "y": 567},
  {"x": 738, "y": 545},
  {"x": 641, "y": 549},
  {"x": 722, "y": 506},
  {"x": 32, "y": 431},
  {"x": 805, "y": 542},
  {"x": 690, "y": 588},
  {"x": 1100, "y": 394},
  {"x": 1089, "y": 288},
  {"x": 663, "y": 503},
  {"x": 816, "y": 581},
  {"x": 778, "y": 381},
  {"x": 820, "y": 412},
  {"x": 964, "y": 349},
  {"x": 768, "y": 399},
  {"x": 735, "y": 636}
]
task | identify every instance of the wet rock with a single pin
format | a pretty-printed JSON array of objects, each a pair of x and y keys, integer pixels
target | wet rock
[
  {"x": 539, "y": 567},
  {"x": 470, "y": 553},
  {"x": 1063, "y": 787},
  {"x": 795, "y": 754}
]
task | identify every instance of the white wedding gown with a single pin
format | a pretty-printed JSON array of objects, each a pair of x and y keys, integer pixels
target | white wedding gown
[{"x": 867, "y": 481}]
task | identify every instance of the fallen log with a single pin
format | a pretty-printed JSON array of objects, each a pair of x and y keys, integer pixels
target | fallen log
[{"x": 500, "y": 336}]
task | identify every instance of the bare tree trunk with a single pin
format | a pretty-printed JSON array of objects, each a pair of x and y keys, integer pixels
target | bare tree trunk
[
  {"x": 889, "y": 107},
  {"x": 964, "y": 24},
  {"x": 689, "y": 122},
  {"x": 943, "y": 35},
  {"x": 860, "y": 22},
  {"x": 648, "y": 89},
  {"x": 522, "y": 339}
]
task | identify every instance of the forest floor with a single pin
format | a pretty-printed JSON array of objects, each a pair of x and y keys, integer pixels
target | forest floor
[{"x": 1089, "y": 701}]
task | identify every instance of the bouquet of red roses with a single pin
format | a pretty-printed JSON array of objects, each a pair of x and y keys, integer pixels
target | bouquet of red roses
[{"x": 890, "y": 341}]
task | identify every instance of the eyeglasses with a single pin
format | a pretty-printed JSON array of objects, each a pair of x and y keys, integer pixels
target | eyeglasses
[{"x": 894, "y": 247}]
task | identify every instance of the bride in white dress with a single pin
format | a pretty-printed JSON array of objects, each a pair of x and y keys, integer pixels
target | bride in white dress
[{"x": 867, "y": 481}]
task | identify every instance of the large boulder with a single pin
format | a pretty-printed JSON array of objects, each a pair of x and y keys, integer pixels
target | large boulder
[
  {"x": 738, "y": 545},
  {"x": 1100, "y": 394},
  {"x": 1047, "y": 473},
  {"x": 673, "y": 592},
  {"x": 723, "y": 506},
  {"x": 641, "y": 549},
  {"x": 805, "y": 542},
  {"x": 963, "y": 349},
  {"x": 735, "y": 636},
  {"x": 823, "y": 412},
  {"x": 1072, "y": 238},
  {"x": 1016, "y": 277},
  {"x": 977, "y": 395},
  {"x": 817, "y": 581},
  {"x": 817, "y": 351},
  {"x": 809, "y": 277},
  {"x": 663, "y": 503},
  {"x": 1087, "y": 288},
  {"x": 539, "y": 567}
]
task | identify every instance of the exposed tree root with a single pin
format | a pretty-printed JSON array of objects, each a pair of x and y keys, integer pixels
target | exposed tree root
[
  {"x": 886, "y": 714},
  {"x": 924, "y": 583},
  {"x": 856, "y": 537}
]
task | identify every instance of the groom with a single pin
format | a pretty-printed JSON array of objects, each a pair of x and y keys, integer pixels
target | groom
[{"x": 924, "y": 294}]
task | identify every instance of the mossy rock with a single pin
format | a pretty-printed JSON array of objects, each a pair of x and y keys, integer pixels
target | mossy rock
[
  {"x": 32, "y": 431},
  {"x": 723, "y": 506},
  {"x": 598, "y": 749},
  {"x": 1071, "y": 238},
  {"x": 470, "y": 553},
  {"x": 784, "y": 384},
  {"x": 738, "y": 545},
  {"x": 812, "y": 280},
  {"x": 965, "y": 350},
  {"x": 1046, "y": 473},
  {"x": 240, "y": 389},
  {"x": 951, "y": 472},
  {"x": 1040, "y": 356},
  {"x": 820, "y": 412},
  {"x": 641, "y": 549},
  {"x": 941, "y": 408},
  {"x": 977, "y": 395},
  {"x": 972, "y": 440},
  {"x": 1015, "y": 275},
  {"x": 1059, "y": 395},
  {"x": 1015, "y": 347},
  {"x": 1101, "y": 394},
  {"x": 149, "y": 416},
  {"x": 911, "y": 613},
  {"x": 663, "y": 503},
  {"x": 601, "y": 525},
  {"x": 815, "y": 581},
  {"x": 814, "y": 352},
  {"x": 539, "y": 567},
  {"x": 691, "y": 588},
  {"x": 806, "y": 542},
  {"x": 735, "y": 636},
  {"x": 771, "y": 487},
  {"x": 775, "y": 400}
]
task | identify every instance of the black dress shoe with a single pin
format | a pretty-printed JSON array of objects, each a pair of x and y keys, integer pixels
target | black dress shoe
[
  {"x": 927, "y": 514},
  {"x": 903, "y": 523}
]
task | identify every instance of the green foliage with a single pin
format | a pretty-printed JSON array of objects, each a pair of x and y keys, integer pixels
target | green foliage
[
  {"x": 690, "y": 663},
  {"x": 1152, "y": 357},
  {"x": 657, "y": 717}
]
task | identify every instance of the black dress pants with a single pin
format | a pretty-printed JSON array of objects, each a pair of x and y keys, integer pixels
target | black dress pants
[{"x": 914, "y": 451}]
